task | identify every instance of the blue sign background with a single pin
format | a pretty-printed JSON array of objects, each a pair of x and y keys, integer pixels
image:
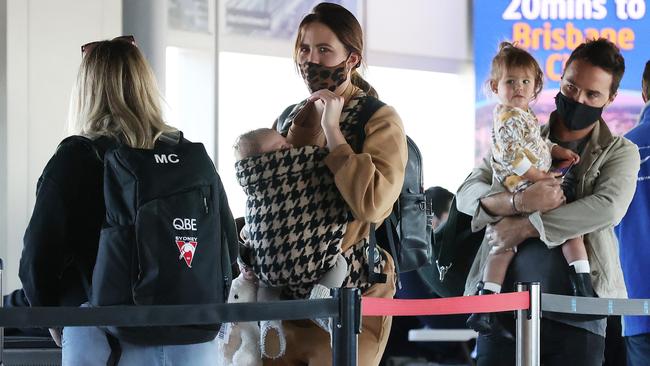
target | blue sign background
[{"x": 490, "y": 29}]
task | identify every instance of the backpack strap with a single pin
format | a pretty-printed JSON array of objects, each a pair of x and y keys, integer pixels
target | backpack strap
[
  {"x": 116, "y": 350},
  {"x": 171, "y": 138},
  {"x": 281, "y": 123},
  {"x": 99, "y": 145},
  {"x": 370, "y": 107},
  {"x": 374, "y": 277}
]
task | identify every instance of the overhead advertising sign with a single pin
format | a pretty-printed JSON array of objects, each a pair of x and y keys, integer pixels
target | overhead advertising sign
[
  {"x": 277, "y": 19},
  {"x": 550, "y": 30}
]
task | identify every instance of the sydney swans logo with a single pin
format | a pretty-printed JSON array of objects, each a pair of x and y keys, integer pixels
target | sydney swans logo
[{"x": 186, "y": 244}]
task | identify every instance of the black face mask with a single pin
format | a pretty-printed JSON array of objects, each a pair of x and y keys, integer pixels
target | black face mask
[{"x": 574, "y": 115}]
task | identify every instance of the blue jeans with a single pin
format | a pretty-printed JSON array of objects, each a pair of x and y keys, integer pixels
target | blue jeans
[
  {"x": 88, "y": 346},
  {"x": 638, "y": 349}
]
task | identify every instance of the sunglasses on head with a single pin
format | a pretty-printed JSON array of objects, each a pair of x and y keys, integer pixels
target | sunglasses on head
[{"x": 86, "y": 48}]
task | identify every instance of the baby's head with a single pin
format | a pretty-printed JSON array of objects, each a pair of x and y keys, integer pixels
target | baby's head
[
  {"x": 515, "y": 77},
  {"x": 258, "y": 142}
]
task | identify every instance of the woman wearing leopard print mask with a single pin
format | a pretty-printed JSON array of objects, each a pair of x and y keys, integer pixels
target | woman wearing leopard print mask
[{"x": 368, "y": 154}]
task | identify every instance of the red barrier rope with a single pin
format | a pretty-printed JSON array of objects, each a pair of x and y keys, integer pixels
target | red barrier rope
[{"x": 373, "y": 306}]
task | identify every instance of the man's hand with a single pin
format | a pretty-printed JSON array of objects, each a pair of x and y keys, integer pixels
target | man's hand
[
  {"x": 542, "y": 196},
  {"x": 508, "y": 233}
]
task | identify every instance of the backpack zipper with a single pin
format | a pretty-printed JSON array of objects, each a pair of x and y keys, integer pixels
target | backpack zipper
[
  {"x": 226, "y": 288},
  {"x": 205, "y": 204}
]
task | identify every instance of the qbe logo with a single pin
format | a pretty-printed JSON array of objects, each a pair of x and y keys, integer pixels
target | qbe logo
[{"x": 184, "y": 224}]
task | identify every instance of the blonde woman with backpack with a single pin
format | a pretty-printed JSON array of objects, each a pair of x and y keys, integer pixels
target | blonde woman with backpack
[{"x": 115, "y": 101}]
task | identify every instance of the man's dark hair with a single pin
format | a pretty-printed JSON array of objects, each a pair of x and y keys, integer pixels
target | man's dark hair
[
  {"x": 646, "y": 79},
  {"x": 604, "y": 54},
  {"x": 440, "y": 199}
]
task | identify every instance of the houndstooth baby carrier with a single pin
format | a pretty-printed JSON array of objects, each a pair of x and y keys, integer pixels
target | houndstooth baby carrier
[
  {"x": 295, "y": 217},
  {"x": 354, "y": 116}
]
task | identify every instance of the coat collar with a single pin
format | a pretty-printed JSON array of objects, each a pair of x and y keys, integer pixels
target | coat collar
[{"x": 599, "y": 138}]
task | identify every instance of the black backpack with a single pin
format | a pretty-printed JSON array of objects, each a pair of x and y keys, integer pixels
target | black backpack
[
  {"x": 166, "y": 235},
  {"x": 406, "y": 232}
]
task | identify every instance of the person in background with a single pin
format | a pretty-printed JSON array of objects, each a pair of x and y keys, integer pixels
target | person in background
[
  {"x": 633, "y": 233},
  {"x": 415, "y": 287},
  {"x": 440, "y": 201}
]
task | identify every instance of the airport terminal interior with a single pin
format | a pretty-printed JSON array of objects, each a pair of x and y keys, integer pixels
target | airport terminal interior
[{"x": 224, "y": 68}]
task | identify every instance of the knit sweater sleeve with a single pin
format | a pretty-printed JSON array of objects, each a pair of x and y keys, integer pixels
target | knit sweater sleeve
[{"x": 371, "y": 181}]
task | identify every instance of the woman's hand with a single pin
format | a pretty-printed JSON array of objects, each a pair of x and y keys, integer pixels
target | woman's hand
[{"x": 332, "y": 105}]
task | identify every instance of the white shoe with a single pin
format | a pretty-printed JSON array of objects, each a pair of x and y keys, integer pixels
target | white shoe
[
  {"x": 273, "y": 344},
  {"x": 322, "y": 292}
]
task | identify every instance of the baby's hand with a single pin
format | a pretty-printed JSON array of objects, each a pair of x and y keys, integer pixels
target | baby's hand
[
  {"x": 568, "y": 156},
  {"x": 535, "y": 175},
  {"x": 247, "y": 272},
  {"x": 552, "y": 175}
]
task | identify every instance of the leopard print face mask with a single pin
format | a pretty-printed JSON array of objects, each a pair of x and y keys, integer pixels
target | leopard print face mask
[{"x": 319, "y": 77}]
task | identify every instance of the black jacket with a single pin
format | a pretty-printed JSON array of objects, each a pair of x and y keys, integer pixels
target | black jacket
[{"x": 60, "y": 244}]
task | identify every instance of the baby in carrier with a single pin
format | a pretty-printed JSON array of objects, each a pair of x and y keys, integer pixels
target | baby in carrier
[{"x": 295, "y": 221}]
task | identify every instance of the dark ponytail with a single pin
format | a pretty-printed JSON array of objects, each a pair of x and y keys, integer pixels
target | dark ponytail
[{"x": 361, "y": 83}]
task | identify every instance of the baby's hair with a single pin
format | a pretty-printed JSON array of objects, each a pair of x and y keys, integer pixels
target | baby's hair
[
  {"x": 510, "y": 56},
  {"x": 250, "y": 143}
]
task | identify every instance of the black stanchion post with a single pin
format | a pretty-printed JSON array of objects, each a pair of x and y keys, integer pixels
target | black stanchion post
[
  {"x": 528, "y": 326},
  {"x": 346, "y": 326}
]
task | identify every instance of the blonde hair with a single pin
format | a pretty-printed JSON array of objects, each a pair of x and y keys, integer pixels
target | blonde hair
[{"x": 116, "y": 95}]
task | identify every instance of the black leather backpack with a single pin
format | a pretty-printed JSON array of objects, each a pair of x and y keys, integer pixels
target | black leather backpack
[{"x": 406, "y": 232}]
